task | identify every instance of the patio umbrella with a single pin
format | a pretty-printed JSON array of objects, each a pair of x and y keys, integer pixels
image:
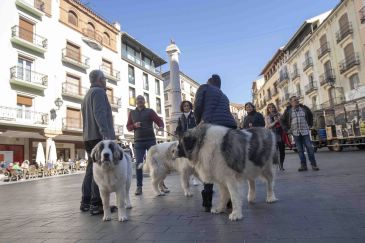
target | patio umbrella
[
  {"x": 52, "y": 156},
  {"x": 40, "y": 158}
]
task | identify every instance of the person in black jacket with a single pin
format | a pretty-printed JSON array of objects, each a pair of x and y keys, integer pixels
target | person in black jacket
[
  {"x": 253, "y": 118},
  {"x": 186, "y": 120},
  {"x": 212, "y": 106},
  {"x": 297, "y": 120}
]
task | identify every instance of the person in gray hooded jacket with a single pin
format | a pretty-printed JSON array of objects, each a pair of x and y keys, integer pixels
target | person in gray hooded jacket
[{"x": 97, "y": 125}]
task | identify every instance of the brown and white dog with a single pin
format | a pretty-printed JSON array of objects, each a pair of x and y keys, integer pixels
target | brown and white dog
[{"x": 112, "y": 171}]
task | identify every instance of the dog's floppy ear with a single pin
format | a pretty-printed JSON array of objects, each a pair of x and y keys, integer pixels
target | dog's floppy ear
[
  {"x": 189, "y": 142},
  {"x": 95, "y": 154}
]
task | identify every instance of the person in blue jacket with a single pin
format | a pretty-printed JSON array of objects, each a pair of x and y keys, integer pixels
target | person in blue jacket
[{"x": 212, "y": 106}]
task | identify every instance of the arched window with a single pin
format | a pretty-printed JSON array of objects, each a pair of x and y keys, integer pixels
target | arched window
[
  {"x": 106, "y": 38},
  {"x": 91, "y": 27},
  {"x": 72, "y": 18}
]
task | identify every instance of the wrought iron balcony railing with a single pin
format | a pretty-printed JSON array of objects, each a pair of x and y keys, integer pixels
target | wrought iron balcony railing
[
  {"x": 295, "y": 75},
  {"x": 323, "y": 50},
  {"x": 332, "y": 102},
  {"x": 73, "y": 90},
  {"x": 75, "y": 57},
  {"x": 309, "y": 88},
  {"x": 92, "y": 35},
  {"x": 29, "y": 76},
  {"x": 115, "y": 101},
  {"x": 349, "y": 62},
  {"x": 328, "y": 77},
  {"x": 344, "y": 31},
  {"x": 307, "y": 63},
  {"x": 284, "y": 77},
  {"x": 29, "y": 36},
  {"x": 74, "y": 124},
  {"x": 23, "y": 116},
  {"x": 110, "y": 73}
]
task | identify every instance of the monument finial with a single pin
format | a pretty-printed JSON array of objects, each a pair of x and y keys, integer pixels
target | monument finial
[{"x": 172, "y": 41}]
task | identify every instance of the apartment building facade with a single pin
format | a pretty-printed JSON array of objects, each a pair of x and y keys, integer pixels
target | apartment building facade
[
  {"x": 188, "y": 90},
  {"x": 50, "y": 48},
  {"x": 322, "y": 63}
]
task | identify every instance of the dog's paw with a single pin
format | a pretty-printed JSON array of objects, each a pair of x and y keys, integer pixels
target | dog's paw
[
  {"x": 216, "y": 210},
  {"x": 107, "y": 218},
  {"x": 234, "y": 216},
  {"x": 251, "y": 199},
  {"x": 160, "y": 194},
  {"x": 271, "y": 199},
  {"x": 128, "y": 206},
  {"x": 122, "y": 218},
  {"x": 188, "y": 194}
]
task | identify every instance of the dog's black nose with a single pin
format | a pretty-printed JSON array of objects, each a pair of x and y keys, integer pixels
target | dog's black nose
[{"x": 106, "y": 156}]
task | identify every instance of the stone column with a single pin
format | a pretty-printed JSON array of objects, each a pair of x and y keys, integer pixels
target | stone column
[{"x": 173, "y": 52}]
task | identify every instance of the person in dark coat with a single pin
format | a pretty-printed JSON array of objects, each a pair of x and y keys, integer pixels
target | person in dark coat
[
  {"x": 212, "y": 106},
  {"x": 253, "y": 118},
  {"x": 186, "y": 120}
]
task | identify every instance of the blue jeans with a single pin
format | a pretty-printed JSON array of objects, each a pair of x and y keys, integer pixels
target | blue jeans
[
  {"x": 140, "y": 149},
  {"x": 300, "y": 142}
]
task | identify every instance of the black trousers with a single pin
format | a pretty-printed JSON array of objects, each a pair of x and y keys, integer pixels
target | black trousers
[
  {"x": 90, "y": 191},
  {"x": 281, "y": 148}
]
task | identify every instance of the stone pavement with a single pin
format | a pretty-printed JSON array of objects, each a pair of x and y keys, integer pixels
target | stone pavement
[{"x": 324, "y": 206}]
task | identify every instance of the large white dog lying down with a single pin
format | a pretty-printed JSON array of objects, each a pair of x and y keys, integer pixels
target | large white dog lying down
[
  {"x": 228, "y": 157},
  {"x": 160, "y": 161},
  {"x": 112, "y": 171}
]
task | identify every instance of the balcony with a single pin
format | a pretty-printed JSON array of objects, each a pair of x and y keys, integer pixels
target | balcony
[
  {"x": 328, "y": 78},
  {"x": 118, "y": 129},
  {"x": 28, "y": 78},
  {"x": 323, "y": 50},
  {"x": 284, "y": 79},
  {"x": 92, "y": 38},
  {"x": 22, "y": 117},
  {"x": 72, "y": 124},
  {"x": 349, "y": 62},
  {"x": 115, "y": 102},
  {"x": 310, "y": 88},
  {"x": 307, "y": 64},
  {"x": 295, "y": 75},
  {"x": 344, "y": 31},
  {"x": 332, "y": 102},
  {"x": 72, "y": 90},
  {"x": 28, "y": 39},
  {"x": 110, "y": 73},
  {"x": 35, "y": 7},
  {"x": 74, "y": 58},
  {"x": 139, "y": 62},
  {"x": 362, "y": 15}
]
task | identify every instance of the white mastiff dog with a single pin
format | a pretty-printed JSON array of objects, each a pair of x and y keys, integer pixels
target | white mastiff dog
[
  {"x": 112, "y": 173},
  {"x": 160, "y": 162},
  {"x": 228, "y": 157}
]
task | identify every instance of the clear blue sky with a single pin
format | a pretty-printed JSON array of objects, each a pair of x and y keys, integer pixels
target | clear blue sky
[{"x": 233, "y": 38}]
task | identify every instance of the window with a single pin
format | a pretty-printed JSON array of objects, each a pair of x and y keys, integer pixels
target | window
[
  {"x": 73, "y": 118},
  {"x": 131, "y": 77},
  {"x": 132, "y": 96},
  {"x": 26, "y": 30},
  {"x": 166, "y": 96},
  {"x": 167, "y": 112},
  {"x": 147, "y": 63},
  {"x": 349, "y": 52},
  {"x": 307, "y": 55},
  {"x": 73, "y": 51},
  {"x": 157, "y": 87},
  {"x": 24, "y": 69},
  {"x": 343, "y": 22},
  {"x": 73, "y": 84},
  {"x": 24, "y": 105},
  {"x": 182, "y": 85},
  {"x": 106, "y": 38},
  {"x": 109, "y": 93},
  {"x": 183, "y": 96},
  {"x": 314, "y": 101},
  {"x": 91, "y": 27},
  {"x": 323, "y": 41},
  {"x": 295, "y": 68},
  {"x": 331, "y": 95},
  {"x": 158, "y": 105},
  {"x": 72, "y": 18},
  {"x": 310, "y": 78},
  {"x": 354, "y": 81},
  {"x": 298, "y": 89},
  {"x": 145, "y": 81},
  {"x": 327, "y": 69},
  {"x": 107, "y": 67},
  {"x": 147, "y": 99}
]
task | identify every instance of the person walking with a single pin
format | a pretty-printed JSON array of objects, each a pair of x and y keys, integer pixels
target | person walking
[
  {"x": 272, "y": 122},
  {"x": 97, "y": 125},
  {"x": 186, "y": 121},
  {"x": 297, "y": 120},
  {"x": 141, "y": 122},
  {"x": 253, "y": 118},
  {"x": 212, "y": 106}
]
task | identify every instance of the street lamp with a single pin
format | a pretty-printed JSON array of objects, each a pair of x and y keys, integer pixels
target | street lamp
[{"x": 58, "y": 102}]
